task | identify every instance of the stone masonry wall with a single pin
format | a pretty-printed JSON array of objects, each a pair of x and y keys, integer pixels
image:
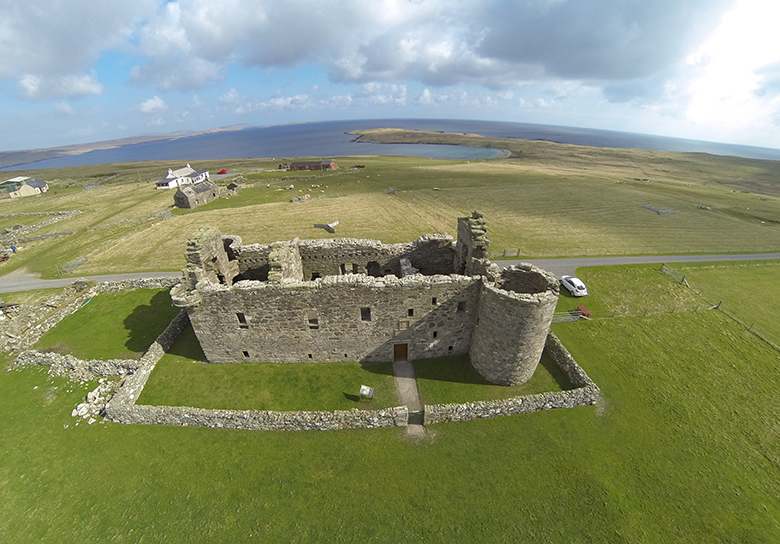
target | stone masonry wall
[
  {"x": 338, "y": 318},
  {"x": 585, "y": 394},
  {"x": 261, "y": 420},
  {"x": 513, "y": 325},
  {"x": 430, "y": 254}
]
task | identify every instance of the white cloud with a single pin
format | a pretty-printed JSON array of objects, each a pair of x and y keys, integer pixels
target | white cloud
[
  {"x": 153, "y": 105},
  {"x": 36, "y": 87},
  {"x": 54, "y": 38},
  {"x": 230, "y": 97},
  {"x": 63, "y": 108}
]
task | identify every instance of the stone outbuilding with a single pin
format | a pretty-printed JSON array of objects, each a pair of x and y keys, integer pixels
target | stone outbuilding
[
  {"x": 345, "y": 299},
  {"x": 192, "y": 196},
  {"x": 314, "y": 165}
]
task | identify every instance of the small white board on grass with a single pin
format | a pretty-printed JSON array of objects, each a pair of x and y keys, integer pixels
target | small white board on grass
[{"x": 366, "y": 391}]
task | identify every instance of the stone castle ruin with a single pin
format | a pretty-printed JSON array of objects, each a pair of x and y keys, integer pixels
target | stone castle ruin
[{"x": 338, "y": 300}]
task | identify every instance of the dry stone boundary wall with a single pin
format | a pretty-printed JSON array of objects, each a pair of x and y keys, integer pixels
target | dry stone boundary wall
[
  {"x": 15, "y": 235},
  {"x": 585, "y": 394},
  {"x": 122, "y": 407}
]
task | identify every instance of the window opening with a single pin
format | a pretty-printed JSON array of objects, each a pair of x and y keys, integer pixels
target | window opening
[
  {"x": 435, "y": 334},
  {"x": 310, "y": 357},
  {"x": 246, "y": 353},
  {"x": 365, "y": 314},
  {"x": 315, "y": 275},
  {"x": 461, "y": 306},
  {"x": 314, "y": 323},
  {"x": 449, "y": 349},
  {"x": 434, "y": 301},
  {"x": 242, "y": 320},
  {"x": 410, "y": 312}
]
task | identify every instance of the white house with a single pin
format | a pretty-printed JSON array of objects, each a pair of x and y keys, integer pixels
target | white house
[
  {"x": 24, "y": 186},
  {"x": 182, "y": 176}
]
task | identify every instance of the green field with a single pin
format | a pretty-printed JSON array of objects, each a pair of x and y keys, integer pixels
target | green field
[
  {"x": 547, "y": 200},
  {"x": 748, "y": 294},
  {"x": 182, "y": 379},
  {"x": 113, "y": 326},
  {"x": 683, "y": 446}
]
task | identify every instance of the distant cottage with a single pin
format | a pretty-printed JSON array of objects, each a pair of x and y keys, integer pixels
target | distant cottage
[
  {"x": 23, "y": 186},
  {"x": 314, "y": 165},
  {"x": 192, "y": 196},
  {"x": 182, "y": 176}
]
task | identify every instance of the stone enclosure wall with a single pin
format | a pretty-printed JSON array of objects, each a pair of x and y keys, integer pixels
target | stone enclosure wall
[
  {"x": 585, "y": 393},
  {"x": 117, "y": 400}
]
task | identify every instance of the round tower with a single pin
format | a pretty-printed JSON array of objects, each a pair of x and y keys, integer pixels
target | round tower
[{"x": 514, "y": 316}]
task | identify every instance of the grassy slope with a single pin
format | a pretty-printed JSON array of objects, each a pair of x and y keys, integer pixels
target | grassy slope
[
  {"x": 552, "y": 199},
  {"x": 683, "y": 448},
  {"x": 747, "y": 291},
  {"x": 113, "y": 325}
]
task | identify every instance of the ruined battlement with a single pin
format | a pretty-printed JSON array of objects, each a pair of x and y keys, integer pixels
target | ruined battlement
[{"x": 361, "y": 300}]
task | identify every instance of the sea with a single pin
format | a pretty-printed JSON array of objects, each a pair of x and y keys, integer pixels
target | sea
[{"x": 328, "y": 139}]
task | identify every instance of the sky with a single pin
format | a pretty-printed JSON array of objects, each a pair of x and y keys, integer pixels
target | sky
[{"x": 76, "y": 71}]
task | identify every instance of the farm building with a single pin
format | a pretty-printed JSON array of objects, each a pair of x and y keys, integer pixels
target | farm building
[
  {"x": 314, "y": 165},
  {"x": 182, "y": 176},
  {"x": 192, "y": 196},
  {"x": 24, "y": 186}
]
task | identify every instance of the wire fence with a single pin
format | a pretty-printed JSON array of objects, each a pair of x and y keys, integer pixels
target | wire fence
[
  {"x": 679, "y": 276},
  {"x": 69, "y": 267}
]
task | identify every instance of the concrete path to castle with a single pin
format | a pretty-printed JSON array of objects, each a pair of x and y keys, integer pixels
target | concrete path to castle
[{"x": 406, "y": 384}]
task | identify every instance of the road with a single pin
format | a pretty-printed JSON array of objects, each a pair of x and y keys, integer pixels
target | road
[
  {"x": 13, "y": 283},
  {"x": 568, "y": 266}
]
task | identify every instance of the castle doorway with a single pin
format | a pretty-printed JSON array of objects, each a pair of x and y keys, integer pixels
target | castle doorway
[{"x": 400, "y": 353}]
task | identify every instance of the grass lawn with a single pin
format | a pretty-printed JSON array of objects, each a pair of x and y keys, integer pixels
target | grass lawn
[
  {"x": 683, "y": 447},
  {"x": 113, "y": 325},
  {"x": 36, "y": 296},
  {"x": 181, "y": 379},
  {"x": 747, "y": 291},
  {"x": 631, "y": 290},
  {"x": 453, "y": 380}
]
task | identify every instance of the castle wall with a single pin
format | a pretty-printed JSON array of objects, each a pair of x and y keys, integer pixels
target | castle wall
[
  {"x": 432, "y": 254},
  {"x": 340, "y": 318},
  {"x": 252, "y": 259},
  {"x": 512, "y": 325}
]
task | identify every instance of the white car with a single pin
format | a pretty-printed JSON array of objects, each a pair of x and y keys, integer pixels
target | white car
[{"x": 574, "y": 286}]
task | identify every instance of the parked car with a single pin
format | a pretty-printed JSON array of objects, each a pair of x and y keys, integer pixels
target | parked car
[
  {"x": 223, "y": 171},
  {"x": 574, "y": 285}
]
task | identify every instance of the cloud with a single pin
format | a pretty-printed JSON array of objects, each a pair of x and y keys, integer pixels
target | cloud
[
  {"x": 769, "y": 82},
  {"x": 54, "y": 38},
  {"x": 153, "y": 105},
  {"x": 63, "y": 108},
  {"x": 36, "y": 87},
  {"x": 598, "y": 39},
  {"x": 188, "y": 44}
]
